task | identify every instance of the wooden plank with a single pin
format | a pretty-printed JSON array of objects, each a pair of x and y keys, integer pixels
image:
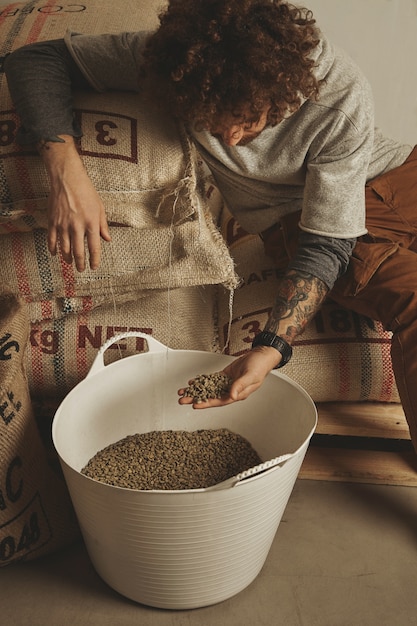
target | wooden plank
[
  {"x": 362, "y": 419},
  {"x": 360, "y": 466},
  {"x": 364, "y": 442}
]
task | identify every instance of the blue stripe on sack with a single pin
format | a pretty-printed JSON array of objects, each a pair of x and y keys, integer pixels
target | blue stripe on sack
[
  {"x": 7, "y": 45},
  {"x": 29, "y": 221},
  {"x": 59, "y": 358},
  {"x": 6, "y": 198}
]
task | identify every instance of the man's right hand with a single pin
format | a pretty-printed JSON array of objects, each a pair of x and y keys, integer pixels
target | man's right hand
[
  {"x": 247, "y": 372},
  {"x": 75, "y": 210}
]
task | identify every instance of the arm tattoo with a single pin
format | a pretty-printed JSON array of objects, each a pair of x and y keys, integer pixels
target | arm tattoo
[
  {"x": 43, "y": 144},
  {"x": 299, "y": 298}
]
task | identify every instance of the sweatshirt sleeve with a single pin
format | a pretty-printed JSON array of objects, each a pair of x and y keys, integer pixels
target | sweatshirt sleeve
[
  {"x": 109, "y": 62},
  {"x": 42, "y": 77},
  {"x": 327, "y": 258}
]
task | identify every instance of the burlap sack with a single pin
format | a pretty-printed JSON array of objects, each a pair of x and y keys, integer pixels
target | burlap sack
[
  {"x": 140, "y": 161},
  {"x": 28, "y": 268},
  {"x": 130, "y": 264},
  {"x": 340, "y": 356},
  {"x": 61, "y": 351},
  {"x": 36, "y": 515}
]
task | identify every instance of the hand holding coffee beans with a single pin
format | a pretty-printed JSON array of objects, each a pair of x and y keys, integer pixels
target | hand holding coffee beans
[{"x": 207, "y": 387}]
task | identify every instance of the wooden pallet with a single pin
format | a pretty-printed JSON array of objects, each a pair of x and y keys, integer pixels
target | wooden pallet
[{"x": 365, "y": 442}]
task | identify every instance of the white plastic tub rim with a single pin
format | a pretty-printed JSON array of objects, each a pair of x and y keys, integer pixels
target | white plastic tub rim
[{"x": 189, "y": 548}]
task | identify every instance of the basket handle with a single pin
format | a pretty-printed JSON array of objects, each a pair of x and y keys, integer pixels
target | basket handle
[
  {"x": 153, "y": 346},
  {"x": 253, "y": 471}
]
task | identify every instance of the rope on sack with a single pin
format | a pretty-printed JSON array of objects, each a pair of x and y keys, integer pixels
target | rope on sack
[
  {"x": 116, "y": 312},
  {"x": 171, "y": 241},
  {"x": 229, "y": 325}
]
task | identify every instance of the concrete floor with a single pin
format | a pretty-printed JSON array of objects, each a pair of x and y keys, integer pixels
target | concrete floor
[{"x": 344, "y": 555}]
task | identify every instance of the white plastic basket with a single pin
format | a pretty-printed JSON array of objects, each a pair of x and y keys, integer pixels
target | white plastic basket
[{"x": 191, "y": 548}]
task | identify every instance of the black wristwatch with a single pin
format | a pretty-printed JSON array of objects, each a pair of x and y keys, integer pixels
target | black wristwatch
[{"x": 266, "y": 338}]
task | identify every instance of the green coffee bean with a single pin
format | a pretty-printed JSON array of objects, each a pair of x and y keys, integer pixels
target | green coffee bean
[
  {"x": 207, "y": 386},
  {"x": 172, "y": 459}
]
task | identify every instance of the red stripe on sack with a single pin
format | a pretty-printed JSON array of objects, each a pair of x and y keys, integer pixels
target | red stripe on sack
[
  {"x": 23, "y": 172},
  {"x": 6, "y": 10},
  {"x": 343, "y": 360},
  {"x": 388, "y": 379},
  {"x": 6, "y": 228},
  {"x": 46, "y": 309},
  {"x": 81, "y": 353},
  {"x": 27, "y": 191},
  {"x": 20, "y": 266},
  {"x": 23, "y": 175},
  {"x": 87, "y": 304},
  {"x": 68, "y": 277},
  {"x": 38, "y": 24}
]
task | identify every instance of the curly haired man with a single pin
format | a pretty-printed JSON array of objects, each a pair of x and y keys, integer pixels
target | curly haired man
[{"x": 285, "y": 122}]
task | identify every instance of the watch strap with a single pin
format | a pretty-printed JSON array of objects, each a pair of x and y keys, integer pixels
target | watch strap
[{"x": 267, "y": 338}]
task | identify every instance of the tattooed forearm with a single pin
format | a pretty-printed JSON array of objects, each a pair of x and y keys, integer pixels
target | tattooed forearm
[{"x": 299, "y": 298}]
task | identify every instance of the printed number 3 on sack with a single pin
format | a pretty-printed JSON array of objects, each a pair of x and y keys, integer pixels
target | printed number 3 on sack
[{"x": 108, "y": 135}]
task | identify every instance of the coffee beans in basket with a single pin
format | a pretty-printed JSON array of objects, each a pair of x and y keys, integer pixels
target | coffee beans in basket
[
  {"x": 172, "y": 460},
  {"x": 207, "y": 386}
]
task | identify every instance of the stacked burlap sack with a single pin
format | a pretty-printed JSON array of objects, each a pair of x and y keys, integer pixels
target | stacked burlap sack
[
  {"x": 36, "y": 515},
  {"x": 160, "y": 273}
]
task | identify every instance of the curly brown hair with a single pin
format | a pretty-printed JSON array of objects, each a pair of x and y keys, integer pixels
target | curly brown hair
[{"x": 217, "y": 57}]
